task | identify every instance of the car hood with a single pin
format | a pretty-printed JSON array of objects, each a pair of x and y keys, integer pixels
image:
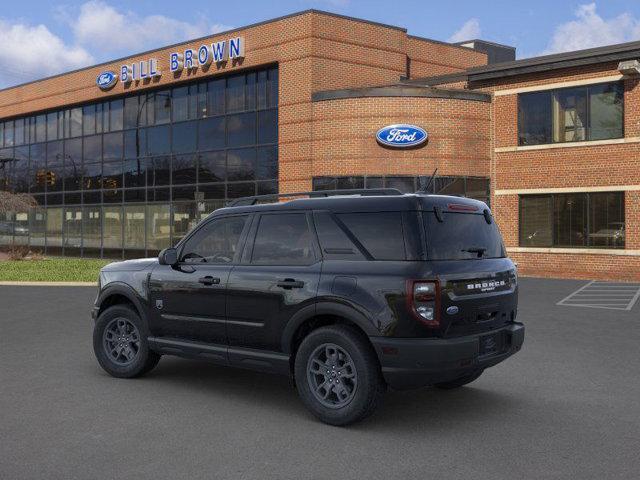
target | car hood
[{"x": 130, "y": 265}]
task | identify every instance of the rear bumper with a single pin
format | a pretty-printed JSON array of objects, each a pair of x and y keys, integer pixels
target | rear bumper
[{"x": 416, "y": 362}]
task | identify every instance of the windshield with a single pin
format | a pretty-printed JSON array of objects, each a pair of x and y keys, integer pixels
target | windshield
[{"x": 462, "y": 236}]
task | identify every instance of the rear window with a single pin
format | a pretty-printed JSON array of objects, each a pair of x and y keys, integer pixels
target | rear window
[{"x": 462, "y": 236}]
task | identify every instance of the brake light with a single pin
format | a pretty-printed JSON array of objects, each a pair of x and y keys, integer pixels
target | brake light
[
  {"x": 460, "y": 207},
  {"x": 423, "y": 298}
]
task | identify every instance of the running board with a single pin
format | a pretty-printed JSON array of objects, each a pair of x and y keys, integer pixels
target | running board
[{"x": 259, "y": 360}]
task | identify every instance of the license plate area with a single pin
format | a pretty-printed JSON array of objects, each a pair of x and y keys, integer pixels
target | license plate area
[{"x": 492, "y": 344}]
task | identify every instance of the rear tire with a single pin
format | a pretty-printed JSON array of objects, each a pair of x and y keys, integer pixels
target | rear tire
[
  {"x": 120, "y": 343},
  {"x": 459, "y": 382},
  {"x": 338, "y": 376}
]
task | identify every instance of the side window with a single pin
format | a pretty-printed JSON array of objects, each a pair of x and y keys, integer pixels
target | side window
[
  {"x": 283, "y": 239},
  {"x": 216, "y": 242},
  {"x": 380, "y": 233},
  {"x": 334, "y": 242}
]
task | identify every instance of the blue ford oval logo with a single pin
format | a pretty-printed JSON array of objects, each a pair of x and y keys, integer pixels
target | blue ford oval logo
[
  {"x": 452, "y": 310},
  {"x": 106, "y": 80},
  {"x": 401, "y": 136}
]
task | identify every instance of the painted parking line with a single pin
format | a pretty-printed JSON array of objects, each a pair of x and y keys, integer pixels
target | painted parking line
[{"x": 609, "y": 295}]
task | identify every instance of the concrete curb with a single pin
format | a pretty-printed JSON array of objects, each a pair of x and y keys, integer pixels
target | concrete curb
[{"x": 49, "y": 284}]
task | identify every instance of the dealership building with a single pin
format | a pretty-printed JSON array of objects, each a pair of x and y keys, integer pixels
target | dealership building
[{"x": 123, "y": 158}]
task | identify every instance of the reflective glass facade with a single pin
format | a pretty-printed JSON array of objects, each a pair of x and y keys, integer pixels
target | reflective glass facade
[{"x": 130, "y": 176}]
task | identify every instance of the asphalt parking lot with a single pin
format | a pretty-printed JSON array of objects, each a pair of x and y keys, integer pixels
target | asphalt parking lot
[{"x": 567, "y": 406}]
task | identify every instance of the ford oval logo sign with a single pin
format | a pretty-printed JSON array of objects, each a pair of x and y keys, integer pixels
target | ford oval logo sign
[
  {"x": 401, "y": 136},
  {"x": 106, "y": 80}
]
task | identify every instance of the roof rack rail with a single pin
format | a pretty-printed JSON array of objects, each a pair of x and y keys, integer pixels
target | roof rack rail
[{"x": 365, "y": 192}]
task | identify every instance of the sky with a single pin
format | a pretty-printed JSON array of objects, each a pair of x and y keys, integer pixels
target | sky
[{"x": 39, "y": 38}]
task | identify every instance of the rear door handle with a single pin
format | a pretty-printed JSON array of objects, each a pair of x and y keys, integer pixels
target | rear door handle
[
  {"x": 289, "y": 283},
  {"x": 209, "y": 280}
]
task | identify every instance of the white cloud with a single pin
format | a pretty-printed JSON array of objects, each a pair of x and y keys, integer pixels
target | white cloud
[
  {"x": 104, "y": 29},
  {"x": 469, "y": 31},
  {"x": 28, "y": 52},
  {"x": 591, "y": 30}
]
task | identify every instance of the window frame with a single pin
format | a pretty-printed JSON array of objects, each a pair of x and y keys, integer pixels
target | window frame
[
  {"x": 552, "y": 93},
  {"x": 588, "y": 221}
]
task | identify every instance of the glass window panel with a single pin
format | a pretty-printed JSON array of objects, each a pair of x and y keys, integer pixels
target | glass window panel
[
  {"x": 374, "y": 182},
  {"x": 201, "y": 107},
  {"x": 135, "y": 195},
  {"x": 183, "y": 193},
  {"x": 116, "y": 115},
  {"x": 135, "y": 172},
  {"x": 91, "y": 229},
  {"x": 272, "y": 88},
  {"x": 52, "y": 126},
  {"x": 6, "y": 228},
  {"x": 102, "y": 117},
  {"x": 135, "y": 143},
  {"x": 159, "y": 140},
  {"x": 261, "y": 89},
  {"x": 570, "y": 115},
  {"x": 92, "y": 197},
  {"x": 606, "y": 220},
  {"x": 216, "y": 191},
  {"x": 158, "y": 194},
  {"x": 536, "y": 221},
  {"x": 283, "y": 239},
  {"x": 241, "y": 129},
  {"x": 404, "y": 184},
  {"x": 241, "y": 164},
  {"x": 54, "y": 199},
  {"x": 344, "y": 183},
  {"x": 8, "y": 134},
  {"x": 267, "y": 163},
  {"x": 89, "y": 120},
  {"x": 134, "y": 227},
  {"x": 478, "y": 188},
  {"x": 55, "y": 172},
  {"x": 235, "y": 93},
  {"x": 162, "y": 107},
  {"x": 21, "y": 228},
  {"x": 211, "y": 133},
  {"x": 73, "y": 164},
  {"x": 72, "y": 198},
  {"x": 130, "y": 115},
  {"x": 112, "y": 146},
  {"x": 112, "y": 227},
  {"x": 237, "y": 190},
  {"x": 570, "y": 218},
  {"x": 92, "y": 149},
  {"x": 268, "y": 126},
  {"x": 1, "y": 135},
  {"x": 54, "y": 227},
  {"x": 324, "y": 183},
  {"x": 75, "y": 122},
  {"x": 160, "y": 172},
  {"x": 19, "y": 131},
  {"x": 449, "y": 186},
  {"x": 41, "y": 128},
  {"x": 211, "y": 167},
  {"x": 606, "y": 111},
  {"x": 112, "y": 175},
  {"x": 21, "y": 169},
  {"x": 215, "y": 97},
  {"x": 37, "y": 226},
  {"x": 185, "y": 217},
  {"x": 193, "y": 102},
  {"x": 158, "y": 227},
  {"x": 184, "y": 136},
  {"x": 72, "y": 230},
  {"x": 184, "y": 169},
  {"x": 92, "y": 176},
  {"x": 534, "y": 118},
  {"x": 267, "y": 188},
  {"x": 250, "y": 91},
  {"x": 38, "y": 167},
  {"x": 6, "y": 164},
  {"x": 180, "y": 103}
]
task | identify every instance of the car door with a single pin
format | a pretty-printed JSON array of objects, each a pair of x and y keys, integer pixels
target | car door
[
  {"x": 277, "y": 277},
  {"x": 188, "y": 299}
]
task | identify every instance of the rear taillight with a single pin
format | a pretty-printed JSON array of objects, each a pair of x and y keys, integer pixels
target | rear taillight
[{"x": 424, "y": 301}]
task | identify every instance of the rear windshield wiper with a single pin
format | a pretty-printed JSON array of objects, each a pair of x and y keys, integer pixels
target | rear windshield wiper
[{"x": 479, "y": 250}]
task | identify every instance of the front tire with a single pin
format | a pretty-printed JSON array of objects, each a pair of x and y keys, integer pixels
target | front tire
[
  {"x": 338, "y": 376},
  {"x": 120, "y": 343}
]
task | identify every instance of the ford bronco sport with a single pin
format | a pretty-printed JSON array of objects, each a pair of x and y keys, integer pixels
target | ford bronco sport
[{"x": 347, "y": 292}]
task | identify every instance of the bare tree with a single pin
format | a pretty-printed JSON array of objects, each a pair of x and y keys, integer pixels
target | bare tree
[{"x": 16, "y": 202}]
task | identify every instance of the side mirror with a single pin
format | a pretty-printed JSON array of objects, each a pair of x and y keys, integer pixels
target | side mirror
[{"x": 168, "y": 256}]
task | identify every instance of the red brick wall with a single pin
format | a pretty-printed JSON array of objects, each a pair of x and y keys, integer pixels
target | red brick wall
[{"x": 429, "y": 58}]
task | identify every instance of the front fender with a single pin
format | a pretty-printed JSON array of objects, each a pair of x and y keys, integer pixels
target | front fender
[{"x": 125, "y": 290}]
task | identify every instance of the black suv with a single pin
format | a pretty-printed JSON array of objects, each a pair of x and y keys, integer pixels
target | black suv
[{"x": 347, "y": 293}]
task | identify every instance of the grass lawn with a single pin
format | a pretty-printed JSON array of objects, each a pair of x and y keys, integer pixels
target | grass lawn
[{"x": 52, "y": 270}]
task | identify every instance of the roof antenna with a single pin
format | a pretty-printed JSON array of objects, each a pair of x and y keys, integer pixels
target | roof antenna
[{"x": 424, "y": 188}]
